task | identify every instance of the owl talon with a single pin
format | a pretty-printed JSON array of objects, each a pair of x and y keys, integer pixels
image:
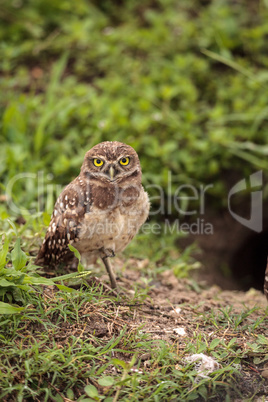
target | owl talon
[{"x": 107, "y": 252}]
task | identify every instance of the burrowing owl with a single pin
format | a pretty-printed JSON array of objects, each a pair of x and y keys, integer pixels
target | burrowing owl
[{"x": 100, "y": 211}]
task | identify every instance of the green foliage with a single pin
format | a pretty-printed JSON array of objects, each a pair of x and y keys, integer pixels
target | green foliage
[
  {"x": 18, "y": 277},
  {"x": 53, "y": 341},
  {"x": 184, "y": 83},
  {"x": 6, "y": 308},
  {"x": 80, "y": 267}
]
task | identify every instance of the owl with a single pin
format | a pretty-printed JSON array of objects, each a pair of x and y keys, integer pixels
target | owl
[{"x": 100, "y": 211}]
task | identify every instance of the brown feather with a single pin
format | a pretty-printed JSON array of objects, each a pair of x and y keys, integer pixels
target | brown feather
[
  {"x": 96, "y": 212},
  {"x": 65, "y": 224}
]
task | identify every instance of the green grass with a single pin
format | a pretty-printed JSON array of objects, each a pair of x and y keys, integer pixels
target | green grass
[
  {"x": 87, "y": 344},
  {"x": 57, "y": 348},
  {"x": 184, "y": 83}
]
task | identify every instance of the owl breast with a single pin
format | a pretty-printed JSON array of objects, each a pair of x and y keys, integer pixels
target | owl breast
[{"x": 111, "y": 227}]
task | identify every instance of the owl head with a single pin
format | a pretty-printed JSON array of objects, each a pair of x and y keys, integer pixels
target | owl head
[{"x": 112, "y": 162}]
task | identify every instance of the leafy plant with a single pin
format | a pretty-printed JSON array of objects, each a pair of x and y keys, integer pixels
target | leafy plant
[
  {"x": 18, "y": 277},
  {"x": 183, "y": 82},
  {"x": 176, "y": 81}
]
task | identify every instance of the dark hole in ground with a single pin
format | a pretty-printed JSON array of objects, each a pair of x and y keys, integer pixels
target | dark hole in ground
[
  {"x": 233, "y": 257},
  {"x": 249, "y": 261}
]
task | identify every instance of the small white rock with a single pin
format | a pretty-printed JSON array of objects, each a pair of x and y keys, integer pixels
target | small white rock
[
  {"x": 180, "y": 331},
  {"x": 204, "y": 364},
  {"x": 134, "y": 370},
  {"x": 176, "y": 310}
]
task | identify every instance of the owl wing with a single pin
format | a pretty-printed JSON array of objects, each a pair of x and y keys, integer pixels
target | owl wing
[{"x": 65, "y": 224}]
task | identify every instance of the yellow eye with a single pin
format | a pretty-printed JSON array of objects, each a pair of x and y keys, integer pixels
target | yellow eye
[
  {"x": 124, "y": 161},
  {"x": 97, "y": 162}
]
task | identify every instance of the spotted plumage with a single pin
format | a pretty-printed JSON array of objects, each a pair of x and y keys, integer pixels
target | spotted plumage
[{"x": 100, "y": 211}]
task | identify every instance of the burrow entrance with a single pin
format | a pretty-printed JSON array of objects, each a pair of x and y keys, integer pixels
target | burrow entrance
[
  {"x": 234, "y": 257},
  {"x": 249, "y": 261}
]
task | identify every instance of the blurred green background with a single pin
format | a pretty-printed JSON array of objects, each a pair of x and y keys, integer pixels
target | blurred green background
[{"x": 184, "y": 82}]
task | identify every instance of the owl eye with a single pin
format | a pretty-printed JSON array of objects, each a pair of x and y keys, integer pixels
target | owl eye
[
  {"x": 124, "y": 161},
  {"x": 97, "y": 162}
]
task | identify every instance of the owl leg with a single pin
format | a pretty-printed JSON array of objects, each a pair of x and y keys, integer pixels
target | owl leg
[
  {"x": 104, "y": 254},
  {"x": 109, "y": 269}
]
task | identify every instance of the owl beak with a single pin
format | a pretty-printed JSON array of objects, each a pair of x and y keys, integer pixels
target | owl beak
[{"x": 111, "y": 173}]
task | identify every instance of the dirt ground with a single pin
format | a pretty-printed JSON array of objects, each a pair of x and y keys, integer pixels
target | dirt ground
[{"x": 174, "y": 311}]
